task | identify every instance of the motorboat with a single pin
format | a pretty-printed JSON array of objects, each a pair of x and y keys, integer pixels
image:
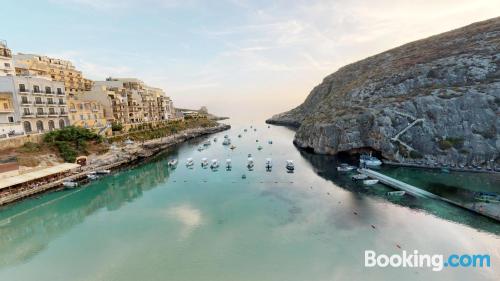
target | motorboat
[
  {"x": 200, "y": 148},
  {"x": 244, "y": 130},
  {"x": 226, "y": 136},
  {"x": 239, "y": 136},
  {"x": 172, "y": 163},
  {"x": 70, "y": 184},
  {"x": 243, "y": 176},
  {"x": 204, "y": 162},
  {"x": 259, "y": 147},
  {"x": 256, "y": 140},
  {"x": 229, "y": 165},
  {"x": 270, "y": 142},
  {"x": 226, "y": 141},
  {"x": 250, "y": 163},
  {"x": 396, "y": 193},
  {"x": 215, "y": 164},
  {"x": 249, "y": 155},
  {"x": 345, "y": 168},
  {"x": 207, "y": 143},
  {"x": 359, "y": 177},
  {"x": 92, "y": 176},
  {"x": 369, "y": 160},
  {"x": 370, "y": 182},
  {"x": 233, "y": 147},
  {"x": 488, "y": 197},
  {"x": 269, "y": 164},
  {"x": 189, "y": 162},
  {"x": 215, "y": 139},
  {"x": 103, "y": 172},
  {"x": 289, "y": 165}
]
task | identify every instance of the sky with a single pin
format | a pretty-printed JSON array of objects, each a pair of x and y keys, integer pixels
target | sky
[{"x": 244, "y": 59}]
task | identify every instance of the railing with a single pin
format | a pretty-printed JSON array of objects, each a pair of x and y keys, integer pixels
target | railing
[
  {"x": 39, "y": 102},
  {"x": 29, "y": 114}
]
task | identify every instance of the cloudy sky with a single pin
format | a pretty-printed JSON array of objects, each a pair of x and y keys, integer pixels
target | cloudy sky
[{"x": 240, "y": 58}]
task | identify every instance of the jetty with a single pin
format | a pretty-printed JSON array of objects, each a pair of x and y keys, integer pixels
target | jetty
[{"x": 491, "y": 210}]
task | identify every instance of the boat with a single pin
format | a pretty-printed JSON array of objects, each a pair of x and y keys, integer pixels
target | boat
[
  {"x": 345, "y": 168},
  {"x": 268, "y": 127},
  {"x": 92, "y": 176},
  {"x": 189, "y": 162},
  {"x": 359, "y": 177},
  {"x": 488, "y": 197},
  {"x": 103, "y": 172},
  {"x": 244, "y": 130},
  {"x": 207, "y": 143},
  {"x": 172, "y": 163},
  {"x": 289, "y": 165},
  {"x": 70, "y": 184},
  {"x": 369, "y": 160},
  {"x": 200, "y": 148},
  {"x": 204, "y": 162},
  {"x": 226, "y": 141},
  {"x": 259, "y": 147},
  {"x": 229, "y": 165},
  {"x": 269, "y": 164},
  {"x": 370, "y": 182},
  {"x": 270, "y": 142},
  {"x": 396, "y": 193},
  {"x": 215, "y": 164},
  {"x": 226, "y": 136},
  {"x": 239, "y": 136},
  {"x": 249, "y": 155},
  {"x": 233, "y": 147},
  {"x": 215, "y": 139},
  {"x": 256, "y": 140},
  {"x": 250, "y": 163},
  {"x": 243, "y": 176},
  {"x": 255, "y": 130}
]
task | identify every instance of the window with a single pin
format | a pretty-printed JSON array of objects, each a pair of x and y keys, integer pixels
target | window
[
  {"x": 59, "y": 91},
  {"x": 24, "y": 100},
  {"x": 26, "y": 111},
  {"x": 48, "y": 90},
  {"x": 39, "y": 110},
  {"x": 5, "y": 105},
  {"x": 36, "y": 89},
  {"x": 22, "y": 88},
  {"x": 80, "y": 106},
  {"x": 52, "y": 111},
  {"x": 95, "y": 116},
  {"x": 81, "y": 117},
  {"x": 38, "y": 100},
  {"x": 7, "y": 64},
  {"x": 61, "y": 101},
  {"x": 11, "y": 119},
  {"x": 50, "y": 101}
]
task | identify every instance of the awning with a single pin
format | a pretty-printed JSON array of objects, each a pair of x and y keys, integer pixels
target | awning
[{"x": 10, "y": 181}]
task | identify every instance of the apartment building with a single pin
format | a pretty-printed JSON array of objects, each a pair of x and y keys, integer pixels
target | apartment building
[
  {"x": 40, "y": 102},
  {"x": 6, "y": 64},
  {"x": 86, "y": 113}
]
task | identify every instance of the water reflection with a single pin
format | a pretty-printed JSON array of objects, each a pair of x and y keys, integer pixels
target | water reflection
[
  {"x": 26, "y": 229},
  {"x": 325, "y": 167}
]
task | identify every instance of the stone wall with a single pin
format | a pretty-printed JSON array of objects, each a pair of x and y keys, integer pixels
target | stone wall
[{"x": 15, "y": 142}]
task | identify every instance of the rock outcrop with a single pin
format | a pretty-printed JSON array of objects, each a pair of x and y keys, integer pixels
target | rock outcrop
[{"x": 434, "y": 100}]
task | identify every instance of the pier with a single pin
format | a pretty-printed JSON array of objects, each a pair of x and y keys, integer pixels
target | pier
[{"x": 490, "y": 210}]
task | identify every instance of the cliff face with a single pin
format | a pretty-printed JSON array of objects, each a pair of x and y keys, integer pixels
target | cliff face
[{"x": 435, "y": 100}]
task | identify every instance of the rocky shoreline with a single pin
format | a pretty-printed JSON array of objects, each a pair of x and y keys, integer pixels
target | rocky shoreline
[{"x": 116, "y": 158}]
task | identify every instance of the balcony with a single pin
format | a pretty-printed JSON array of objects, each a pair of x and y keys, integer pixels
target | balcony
[
  {"x": 53, "y": 114},
  {"x": 37, "y": 92},
  {"x": 23, "y": 91},
  {"x": 39, "y": 103},
  {"x": 60, "y": 93},
  {"x": 25, "y": 102},
  {"x": 62, "y": 103},
  {"x": 49, "y": 93},
  {"x": 41, "y": 114},
  {"x": 28, "y": 115},
  {"x": 63, "y": 114},
  {"x": 51, "y": 102}
]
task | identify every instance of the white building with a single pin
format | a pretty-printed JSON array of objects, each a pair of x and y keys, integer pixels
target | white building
[
  {"x": 39, "y": 102},
  {"x": 6, "y": 64}
]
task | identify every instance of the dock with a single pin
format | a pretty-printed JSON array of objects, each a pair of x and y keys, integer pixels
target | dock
[{"x": 490, "y": 210}]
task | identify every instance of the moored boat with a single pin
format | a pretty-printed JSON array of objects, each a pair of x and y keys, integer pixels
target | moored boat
[
  {"x": 369, "y": 160},
  {"x": 226, "y": 141},
  {"x": 250, "y": 163},
  {"x": 259, "y": 147},
  {"x": 396, "y": 193},
  {"x": 345, "y": 168},
  {"x": 229, "y": 165},
  {"x": 370, "y": 182},
  {"x": 189, "y": 162},
  {"x": 214, "y": 164},
  {"x": 70, "y": 184},
  {"x": 103, "y": 172},
  {"x": 290, "y": 166},
  {"x": 269, "y": 164},
  {"x": 359, "y": 177}
]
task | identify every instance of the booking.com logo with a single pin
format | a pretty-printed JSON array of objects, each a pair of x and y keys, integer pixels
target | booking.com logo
[{"x": 436, "y": 262}]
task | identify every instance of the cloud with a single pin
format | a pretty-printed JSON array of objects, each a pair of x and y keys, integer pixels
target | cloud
[{"x": 189, "y": 217}]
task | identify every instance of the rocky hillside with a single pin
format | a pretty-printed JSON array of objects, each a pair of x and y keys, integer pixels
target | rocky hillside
[{"x": 434, "y": 100}]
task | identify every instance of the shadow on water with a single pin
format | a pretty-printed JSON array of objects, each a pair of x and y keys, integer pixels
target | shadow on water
[
  {"x": 28, "y": 227},
  {"x": 325, "y": 167}
]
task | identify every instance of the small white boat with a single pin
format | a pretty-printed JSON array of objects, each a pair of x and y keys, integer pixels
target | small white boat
[
  {"x": 215, "y": 164},
  {"x": 204, "y": 162},
  {"x": 345, "y": 168},
  {"x": 92, "y": 176},
  {"x": 269, "y": 164},
  {"x": 226, "y": 141},
  {"x": 396, "y": 193},
  {"x": 250, "y": 163},
  {"x": 229, "y": 165},
  {"x": 369, "y": 160},
  {"x": 172, "y": 163},
  {"x": 359, "y": 177},
  {"x": 370, "y": 182},
  {"x": 259, "y": 147},
  {"x": 103, "y": 172},
  {"x": 70, "y": 184},
  {"x": 289, "y": 165},
  {"x": 189, "y": 162}
]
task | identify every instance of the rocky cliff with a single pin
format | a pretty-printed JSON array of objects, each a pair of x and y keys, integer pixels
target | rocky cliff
[{"x": 434, "y": 100}]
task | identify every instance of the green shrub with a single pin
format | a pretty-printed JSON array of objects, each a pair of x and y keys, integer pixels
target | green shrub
[
  {"x": 445, "y": 144},
  {"x": 415, "y": 154},
  {"x": 30, "y": 147},
  {"x": 448, "y": 143},
  {"x": 66, "y": 151},
  {"x": 71, "y": 141},
  {"x": 116, "y": 127}
]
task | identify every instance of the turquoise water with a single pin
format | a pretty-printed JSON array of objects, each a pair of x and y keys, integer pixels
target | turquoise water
[{"x": 152, "y": 223}]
